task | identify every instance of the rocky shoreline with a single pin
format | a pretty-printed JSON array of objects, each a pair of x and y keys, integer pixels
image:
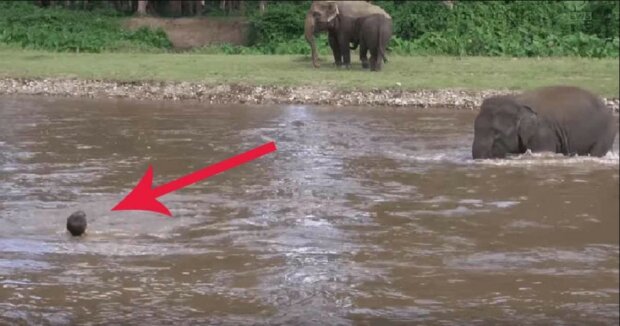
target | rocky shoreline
[{"x": 243, "y": 94}]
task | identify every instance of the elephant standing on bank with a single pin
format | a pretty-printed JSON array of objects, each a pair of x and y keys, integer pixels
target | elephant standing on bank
[
  {"x": 373, "y": 34},
  {"x": 559, "y": 119},
  {"x": 338, "y": 19}
]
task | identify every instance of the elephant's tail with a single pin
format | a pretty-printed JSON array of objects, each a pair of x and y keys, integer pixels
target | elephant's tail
[{"x": 381, "y": 49}]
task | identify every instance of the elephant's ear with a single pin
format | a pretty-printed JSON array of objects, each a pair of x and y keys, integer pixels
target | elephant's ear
[
  {"x": 527, "y": 127},
  {"x": 332, "y": 11}
]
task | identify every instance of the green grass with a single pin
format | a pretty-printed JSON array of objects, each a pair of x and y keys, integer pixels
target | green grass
[{"x": 471, "y": 73}]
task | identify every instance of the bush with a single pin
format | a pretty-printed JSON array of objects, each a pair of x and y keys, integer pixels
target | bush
[
  {"x": 281, "y": 22},
  {"x": 484, "y": 28},
  {"x": 603, "y": 19},
  {"x": 67, "y": 30}
]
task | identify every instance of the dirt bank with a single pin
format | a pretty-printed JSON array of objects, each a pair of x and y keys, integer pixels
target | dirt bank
[
  {"x": 185, "y": 33},
  {"x": 243, "y": 94}
]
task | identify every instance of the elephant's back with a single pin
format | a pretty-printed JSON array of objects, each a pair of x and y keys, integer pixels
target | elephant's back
[
  {"x": 564, "y": 103},
  {"x": 582, "y": 116},
  {"x": 356, "y": 9}
]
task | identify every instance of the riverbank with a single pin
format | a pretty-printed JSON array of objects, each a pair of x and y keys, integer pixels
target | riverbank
[
  {"x": 244, "y": 94},
  {"x": 263, "y": 79}
]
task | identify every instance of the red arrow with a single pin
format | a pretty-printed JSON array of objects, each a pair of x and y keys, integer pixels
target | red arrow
[{"x": 144, "y": 197}]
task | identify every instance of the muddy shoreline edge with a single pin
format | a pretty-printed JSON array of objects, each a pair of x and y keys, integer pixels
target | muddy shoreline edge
[{"x": 245, "y": 94}]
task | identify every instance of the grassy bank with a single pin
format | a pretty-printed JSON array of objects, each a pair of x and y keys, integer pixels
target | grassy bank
[{"x": 411, "y": 73}]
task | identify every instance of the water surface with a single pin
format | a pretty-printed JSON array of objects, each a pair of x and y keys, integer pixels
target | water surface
[{"x": 362, "y": 216}]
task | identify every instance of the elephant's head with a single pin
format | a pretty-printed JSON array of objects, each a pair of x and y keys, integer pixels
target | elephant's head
[
  {"x": 324, "y": 13},
  {"x": 503, "y": 126}
]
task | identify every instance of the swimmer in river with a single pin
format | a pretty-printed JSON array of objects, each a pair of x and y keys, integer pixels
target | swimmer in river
[{"x": 76, "y": 223}]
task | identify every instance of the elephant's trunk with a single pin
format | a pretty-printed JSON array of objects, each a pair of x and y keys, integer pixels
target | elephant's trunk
[
  {"x": 481, "y": 149},
  {"x": 309, "y": 34}
]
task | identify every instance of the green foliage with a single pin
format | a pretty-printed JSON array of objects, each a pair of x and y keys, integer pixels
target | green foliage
[
  {"x": 60, "y": 29},
  {"x": 281, "y": 22},
  {"x": 604, "y": 19},
  {"x": 481, "y": 28}
]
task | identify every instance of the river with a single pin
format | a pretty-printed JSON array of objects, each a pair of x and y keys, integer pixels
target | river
[{"x": 363, "y": 216}]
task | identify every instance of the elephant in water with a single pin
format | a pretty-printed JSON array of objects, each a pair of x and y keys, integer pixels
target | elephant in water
[
  {"x": 373, "y": 34},
  {"x": 338, "y": 19},
  {"x": 559, "y": 119}
]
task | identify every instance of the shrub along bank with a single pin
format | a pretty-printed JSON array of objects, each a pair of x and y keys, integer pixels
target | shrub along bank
[
  {"x": 487, "y": 28},
  {"x": 471, "y": 28},
  {"x": 58, "y": 29}
]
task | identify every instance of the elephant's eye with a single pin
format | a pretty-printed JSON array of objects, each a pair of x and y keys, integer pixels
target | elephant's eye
[
  {"x": 502, "y": 127},
  {"x": 498, "y": 132},
  {"x": 316, "y": 14}
]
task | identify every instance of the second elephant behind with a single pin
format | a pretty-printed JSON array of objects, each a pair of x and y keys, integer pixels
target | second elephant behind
[
  {"x": 373, "y": 34},
  {"x": 338, "y": 19}
]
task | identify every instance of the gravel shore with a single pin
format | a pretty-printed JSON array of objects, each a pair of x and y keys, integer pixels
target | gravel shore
[{"x": 242, "y": 94}]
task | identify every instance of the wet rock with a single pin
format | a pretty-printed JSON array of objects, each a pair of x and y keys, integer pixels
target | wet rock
[
  {"x": 76, "y": 223},
  {"x": 298, "y": 123},
  {"x": 235, "y": 93}
]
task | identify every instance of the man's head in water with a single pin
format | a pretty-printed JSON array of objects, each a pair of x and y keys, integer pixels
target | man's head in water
[{"x": 76, "y": 223}]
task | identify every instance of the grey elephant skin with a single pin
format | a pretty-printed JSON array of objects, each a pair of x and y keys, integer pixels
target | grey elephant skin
[
  {"x": 338, "y": 19},
  {"x": 373, "y": 34},
  {"x": 560, "y": 119}
]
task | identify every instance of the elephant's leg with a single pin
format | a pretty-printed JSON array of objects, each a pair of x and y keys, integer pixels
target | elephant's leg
[
  {"x": 379, "y": 61},
  {"x": 346, "y": 55},
  {"x": 364, "y": 54},
  {"x": 603, "y": 144},
  {"x": 333, "y": 43},
  {"x": 382, "y": 52},
  {"x": 373, "y": 59},
  {"x": 345, "y": 51}
]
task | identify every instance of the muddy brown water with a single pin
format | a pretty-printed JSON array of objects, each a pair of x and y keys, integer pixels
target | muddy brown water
[{"x": 362, "y": 217}]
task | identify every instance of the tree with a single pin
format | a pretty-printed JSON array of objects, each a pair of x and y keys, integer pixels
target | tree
[
  {"x": 448, "y": 3},
  {"x": 199, "y": 6},
  {"x": 241, "y": 7},
  {"x": 175, "y": 8},
  {"x": 141, "y": 11}
]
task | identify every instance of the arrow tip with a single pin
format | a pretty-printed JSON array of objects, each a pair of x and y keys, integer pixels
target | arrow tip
[{"x": 142, "y": 198}]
